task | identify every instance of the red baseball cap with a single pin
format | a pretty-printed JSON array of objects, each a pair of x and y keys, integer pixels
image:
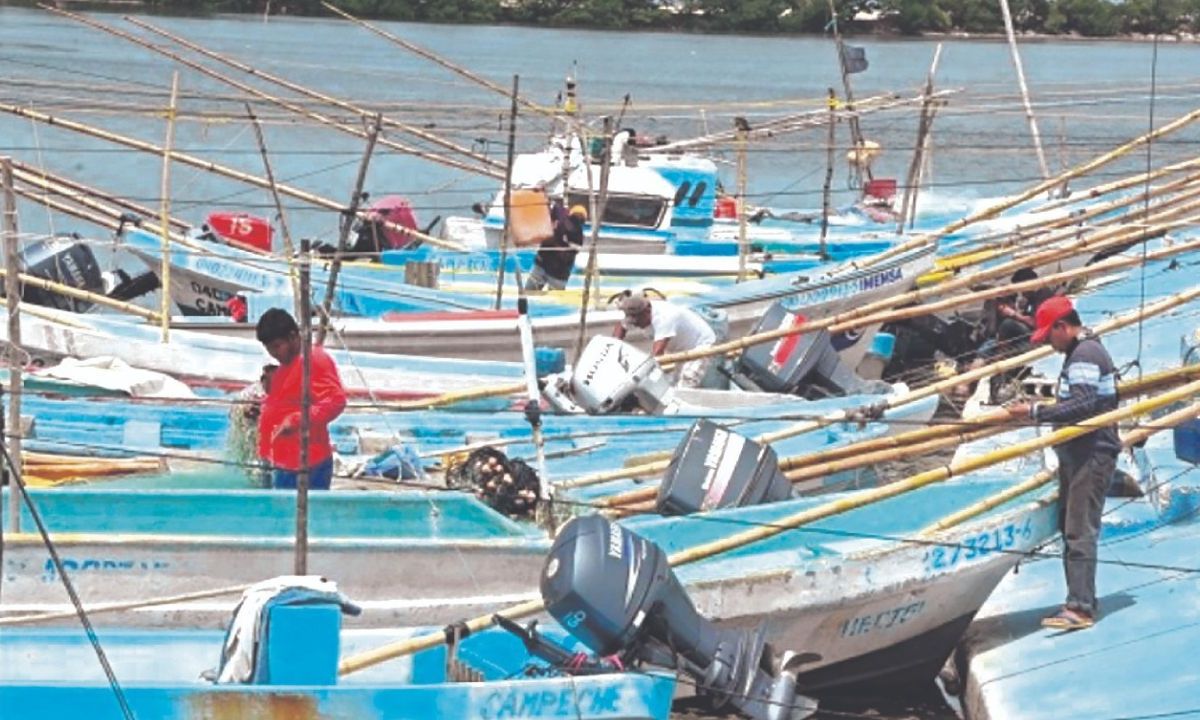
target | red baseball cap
[{"x": 1048, "y": 313}]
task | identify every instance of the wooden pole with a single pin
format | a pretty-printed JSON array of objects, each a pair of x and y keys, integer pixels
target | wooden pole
[
  {"x": 1042, "y": 187},
  {"x": 508, "y": 168},
  {"x": 255, "y": 92},
  {"x": 433, "y": 57},
  {"x": 766, "y": 531},
  {"x": 309, "y": 92},
  {"x": 855, "y": 129},
  {"x": 1029, "y": 116},
  {"x": 12, "y": 293},
  {"x": 289, "y": 249},
  {"x": 743, "y": 130},
  {"x": 598, "y": 203},
  {"x": 164, "y": 218},
  {"x": 302, "y": 477},
  {"x": 827, "y": 188},
  {"x": 347, "y": 221},
  {"x": 215, "y": 168},
  {"x": 912, "y": 185},
  {"x": 78, "y": 191}
]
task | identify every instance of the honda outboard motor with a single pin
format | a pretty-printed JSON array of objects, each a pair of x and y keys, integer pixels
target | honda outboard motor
[
  {"x": 616, "y": 593},
  {"x": 609, "y": 374},
  {"x": 795, "y": 361},
  {"x": 715, "y": 467},
  {"x": 63, "y": 260}
]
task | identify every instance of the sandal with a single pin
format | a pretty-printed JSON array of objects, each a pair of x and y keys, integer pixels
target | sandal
[{"x": 1069, "y": 619}]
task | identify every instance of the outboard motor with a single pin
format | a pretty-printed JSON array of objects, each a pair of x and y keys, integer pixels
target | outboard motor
[
  {"x": 616, "y": 593},
  {"x": 715, "y": 467},
  {"x": 609, "y": 374},
  {"x": 795, "y": 361},
  {"x": 67, "y": 261}
]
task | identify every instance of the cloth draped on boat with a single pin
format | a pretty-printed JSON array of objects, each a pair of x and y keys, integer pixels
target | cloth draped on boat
[
  {"x": 248, "y": 628},
  {"x": 110, "y": 373}
]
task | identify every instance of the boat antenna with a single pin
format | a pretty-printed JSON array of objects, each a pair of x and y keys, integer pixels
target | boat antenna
[{"x": 17, "y": 485}]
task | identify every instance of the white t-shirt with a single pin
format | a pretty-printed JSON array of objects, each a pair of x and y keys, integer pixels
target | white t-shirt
[{"x": 683, "y": 326}]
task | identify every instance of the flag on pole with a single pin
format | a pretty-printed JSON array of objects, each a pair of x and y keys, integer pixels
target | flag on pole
[{"x": 855, "y": 59}]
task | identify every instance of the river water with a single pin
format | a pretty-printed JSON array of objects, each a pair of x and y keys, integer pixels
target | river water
[{"x": 1088, "y": 96}]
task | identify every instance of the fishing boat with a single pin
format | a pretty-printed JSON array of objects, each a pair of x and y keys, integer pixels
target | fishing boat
[{"x": 156, "y": 673}]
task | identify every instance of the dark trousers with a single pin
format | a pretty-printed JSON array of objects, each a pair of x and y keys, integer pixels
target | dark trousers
[
  {"x": 1082, "y": 485},
  {"x": 319, "y": 477}
]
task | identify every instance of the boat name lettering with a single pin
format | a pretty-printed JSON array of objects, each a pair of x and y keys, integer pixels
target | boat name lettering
[
  {"x": 73, "y": 565},
  {"x": 223, "y": 270},
  {"x": 549, "y": 703},
  {"x": 614, "y": 542},
  {"x": 713, "y": 457},
  {"x": 882, "y": 620},
  {"x": 840, "y": 290},
  {"x": 591, "y": 373},
  {"x": 977, "y": 545}
]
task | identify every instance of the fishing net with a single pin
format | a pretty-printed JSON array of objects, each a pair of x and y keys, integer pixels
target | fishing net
[{"x": 506, "y": 484}]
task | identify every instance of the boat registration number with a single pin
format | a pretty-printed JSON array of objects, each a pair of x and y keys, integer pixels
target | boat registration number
[{"x": 972, "y": 547}]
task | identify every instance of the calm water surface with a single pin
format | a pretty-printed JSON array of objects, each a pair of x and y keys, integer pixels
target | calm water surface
[{"x": 1089, "y": 96}]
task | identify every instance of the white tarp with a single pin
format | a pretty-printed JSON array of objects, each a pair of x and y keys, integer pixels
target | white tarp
[{"x": 110, "y": 373}]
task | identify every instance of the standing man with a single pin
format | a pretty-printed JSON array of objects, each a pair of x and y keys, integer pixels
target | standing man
[
  {"x": 556, "y": 256},
  {"x": 1087, "y": 387},
  {"x": 279, "y": 419},
  {"x": 674, "y": 329}
]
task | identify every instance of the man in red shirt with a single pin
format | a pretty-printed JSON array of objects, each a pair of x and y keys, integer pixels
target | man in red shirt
[{"x": 279, "y": 421}]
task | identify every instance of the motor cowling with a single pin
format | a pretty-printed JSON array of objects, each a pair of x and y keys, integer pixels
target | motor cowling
[
  {"x": 63, "y": 260},
  {"x": 615, "y": 591},
  {"x": 610, "y": 371},
  {"x": 715, "y": 467}
]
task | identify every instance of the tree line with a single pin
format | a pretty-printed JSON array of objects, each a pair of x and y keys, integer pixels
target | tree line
[{"x": 1089, "y": 18}]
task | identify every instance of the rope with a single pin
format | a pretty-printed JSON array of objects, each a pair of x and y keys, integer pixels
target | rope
[{"x": 1149, "y": 165}]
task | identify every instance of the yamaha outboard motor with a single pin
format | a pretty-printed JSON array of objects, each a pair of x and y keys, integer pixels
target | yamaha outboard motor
[
  {"x": 794, "y": 362},
  {"x": 616, "y": 593},
  {"x": 67, "y": 261},
  {"x": 715, "y": 467}
]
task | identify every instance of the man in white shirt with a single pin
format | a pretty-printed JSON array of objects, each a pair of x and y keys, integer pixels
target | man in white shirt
[{"x": 674, "y": 329}]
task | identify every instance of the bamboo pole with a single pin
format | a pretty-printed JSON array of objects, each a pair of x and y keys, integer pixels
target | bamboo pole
[
  {"x": 827, "y": 186},
  {"x": 866, "y": 314},
  {"x": 433, "y": 57},
  {"x": 12, "y": 294},
  {"x": 659, "y": 463},
  {"x": 599, "y": 205},
  {"x": 309, "y": 92},
  {"x": 913, "y": 442},
  {"x": 856, "y": 135},
  {"x": 122, "y": 606},
  {"x": 255, "y": 92},
  {"x": 1044, "y": 186},
  {"x": 215, "y": 168},
  {"x": 289, "y": 250},
  {"x": 1118, "y": 185},
  {"x": 68, "y": 291},
  {"x": 765, "y": 531},
  {"x": 505, "y": 236},
  {"x": 304, "y": 473},
  {"x": 743, "y": 130},
  {"x": 164, "y": 218},
  {"x": 1129, "y": 439},
  {"x": 1029, "y": 116},
  {"x": 347, "y": 221},
  {"x": 912, "y": 186},
  {"x": 75, "y": 189}
]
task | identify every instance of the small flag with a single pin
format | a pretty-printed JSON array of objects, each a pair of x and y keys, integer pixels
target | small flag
[{"x": 855, "y": 59}]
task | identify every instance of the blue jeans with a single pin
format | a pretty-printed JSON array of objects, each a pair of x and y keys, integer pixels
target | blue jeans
[{"x": 319, "y": 477}]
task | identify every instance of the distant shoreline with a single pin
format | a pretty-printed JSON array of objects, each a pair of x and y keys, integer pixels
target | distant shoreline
[{"x": 859, "y": 33}]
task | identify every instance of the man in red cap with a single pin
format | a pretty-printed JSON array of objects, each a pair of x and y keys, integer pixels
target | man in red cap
[{"x": 1087, "y": 387}]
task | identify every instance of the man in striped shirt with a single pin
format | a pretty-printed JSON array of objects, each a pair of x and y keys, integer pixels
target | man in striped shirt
[{"x": 1087, "y": 387}]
